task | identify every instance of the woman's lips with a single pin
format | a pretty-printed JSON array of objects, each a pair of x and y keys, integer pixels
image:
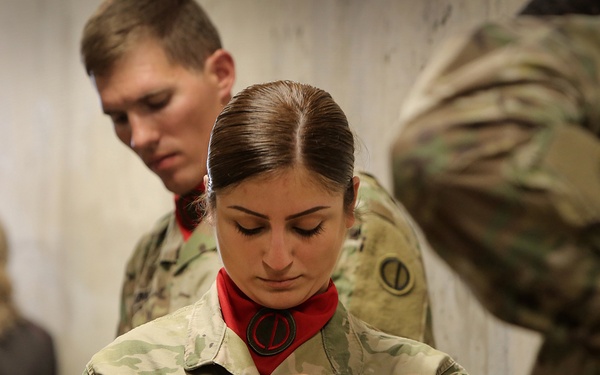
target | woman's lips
[{"x": 280, "y": 283}]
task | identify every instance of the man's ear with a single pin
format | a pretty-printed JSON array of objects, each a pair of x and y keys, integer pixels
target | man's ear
[{"x": 221, "y": 65}]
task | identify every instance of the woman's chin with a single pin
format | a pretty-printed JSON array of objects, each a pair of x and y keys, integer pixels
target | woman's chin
[{"x": 280, "y": 302}]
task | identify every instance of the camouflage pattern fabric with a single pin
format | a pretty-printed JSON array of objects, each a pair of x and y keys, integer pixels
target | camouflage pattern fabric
[
  {"x": 166, "y": 274},
  {"x": 380, "y": 271},
  {"x": 195, "y": 340},
  {"x": 380, "y": 266},
  {"x": 498, "y": 161}
]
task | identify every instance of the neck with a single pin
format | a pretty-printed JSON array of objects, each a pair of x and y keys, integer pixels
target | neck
[{"x": 272, "y": 335}]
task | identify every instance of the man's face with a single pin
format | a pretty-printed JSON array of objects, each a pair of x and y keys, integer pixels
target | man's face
[{"x": 164, "y": 112}]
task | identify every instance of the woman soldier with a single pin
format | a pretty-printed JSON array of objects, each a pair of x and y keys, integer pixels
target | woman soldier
[{"x": 280, "y": 194}]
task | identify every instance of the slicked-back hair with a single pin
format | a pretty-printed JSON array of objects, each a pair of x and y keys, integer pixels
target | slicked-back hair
[
  {"x": 182, "y": 28},
  {"x": 561, "y": 7},
  {"x": 273, "y": 127}
]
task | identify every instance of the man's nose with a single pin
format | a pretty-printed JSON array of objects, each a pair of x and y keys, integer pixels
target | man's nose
[{"x": 144, "y": 133}]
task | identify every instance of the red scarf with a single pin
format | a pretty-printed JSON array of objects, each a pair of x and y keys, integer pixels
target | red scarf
[
  {"x": 307, "y": 319},
  {"x": 187, "y": 212}
]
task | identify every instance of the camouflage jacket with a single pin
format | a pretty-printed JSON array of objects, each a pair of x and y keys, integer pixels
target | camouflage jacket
[
  {"x": 498, "y": 160},
  {"x": 380, "y": 266},
  {"x": 196, "y": 340}
]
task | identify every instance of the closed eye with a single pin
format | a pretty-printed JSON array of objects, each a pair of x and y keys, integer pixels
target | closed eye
[
  {"x": 307, "y": 233},
  {"x": 157, "y": 105},
  {"x": 118, "y": 118},
  {"x": 248, "y": 231},
  {"x": 157, "y": 101}
]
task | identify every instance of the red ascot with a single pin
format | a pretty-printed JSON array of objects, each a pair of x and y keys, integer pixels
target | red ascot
[
  {"x": 272, "y": 335},
  {"x": 187, "y": 212}
]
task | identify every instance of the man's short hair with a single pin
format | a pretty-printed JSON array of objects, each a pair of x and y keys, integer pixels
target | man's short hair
[
  {"x": 560, "y": 7},
  {"x": 182, "y": 28}
]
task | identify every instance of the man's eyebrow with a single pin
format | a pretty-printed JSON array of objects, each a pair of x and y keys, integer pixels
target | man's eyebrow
[
  {"x": 290, "y": 217},
  {"x": 108, "y": 110}
]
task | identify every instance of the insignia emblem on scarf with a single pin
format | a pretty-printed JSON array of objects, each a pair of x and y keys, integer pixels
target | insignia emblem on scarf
[{"x": 271, "y": 331}]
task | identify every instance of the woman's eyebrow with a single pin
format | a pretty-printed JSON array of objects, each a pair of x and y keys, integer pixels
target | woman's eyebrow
[
  {"x": 250, "y": 212},
  {"x": 290, "y": 217},
  {"x": 309, "y": 211}
]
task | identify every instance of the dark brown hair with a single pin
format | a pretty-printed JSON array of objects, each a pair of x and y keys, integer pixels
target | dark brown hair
[
  {"x": 560, "y": 7},
  {"x": 268, "y": 128},
  {"x": 181, "y": 26}
]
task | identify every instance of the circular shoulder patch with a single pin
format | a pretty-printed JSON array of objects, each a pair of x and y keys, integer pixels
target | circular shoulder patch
[
  {"x": 271, "y": 331},
  {"x": 395, "y": 276}
]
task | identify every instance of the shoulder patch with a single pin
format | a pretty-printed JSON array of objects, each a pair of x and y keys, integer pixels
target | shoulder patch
[{"x": 394, "y": 275}]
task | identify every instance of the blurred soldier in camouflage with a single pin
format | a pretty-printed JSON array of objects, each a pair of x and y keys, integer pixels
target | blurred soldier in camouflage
[
  {"x": 280, "y": 194},
  {"x": 21, "y": 340},
  {"x": 498, "y": 160},
  {"x": 162, "y": 77}
]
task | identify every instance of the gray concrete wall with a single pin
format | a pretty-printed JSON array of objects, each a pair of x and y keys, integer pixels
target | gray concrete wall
[{"x": 74, "y": 200}]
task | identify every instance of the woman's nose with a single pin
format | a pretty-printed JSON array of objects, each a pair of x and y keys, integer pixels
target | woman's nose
[{"x": 279, "y": 254}]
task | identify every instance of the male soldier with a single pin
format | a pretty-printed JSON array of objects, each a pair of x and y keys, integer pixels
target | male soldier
[
  {"x": 498, "y": 160},
  {"x": 163, "y": 78}
]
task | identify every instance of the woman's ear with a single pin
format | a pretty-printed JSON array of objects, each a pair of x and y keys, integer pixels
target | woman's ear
[
  {"x": 350, "y": 214},
  {"x": 208, "y": 214},
  {"x": 221, "y": 65}
]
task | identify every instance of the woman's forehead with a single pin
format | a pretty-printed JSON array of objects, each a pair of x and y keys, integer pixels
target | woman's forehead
[{"x": 297, "y": 178}]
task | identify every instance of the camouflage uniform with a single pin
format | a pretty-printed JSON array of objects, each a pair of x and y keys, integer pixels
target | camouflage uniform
[
  {"x": 196, "y": 340},
  {"x": 498, "y": 161},
  {"x": 165, "y": 274},
  {"x": 380, "y": 271}
]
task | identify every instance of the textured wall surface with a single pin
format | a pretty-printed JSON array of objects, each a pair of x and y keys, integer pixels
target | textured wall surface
[{"x": 74, "y": 200}]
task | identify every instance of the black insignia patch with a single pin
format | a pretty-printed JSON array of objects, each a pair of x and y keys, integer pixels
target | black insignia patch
[
  {"x": 271, "y": 331},
  {"x": 395, "y": 276}
]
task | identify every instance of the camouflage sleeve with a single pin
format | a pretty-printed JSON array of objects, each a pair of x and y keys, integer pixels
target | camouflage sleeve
[
  {"x": 450, "y": 367},
  {"x": 497, "y": 160},
  {"x": 138, "y": 260},
  {"x": 381, "y": 266}
]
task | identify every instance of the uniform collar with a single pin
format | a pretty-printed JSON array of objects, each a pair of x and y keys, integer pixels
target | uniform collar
[
  {"x": 208, "y": 335},
  {"x": 174, "y": 250},
  {"x": 188, "y": 211}
]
